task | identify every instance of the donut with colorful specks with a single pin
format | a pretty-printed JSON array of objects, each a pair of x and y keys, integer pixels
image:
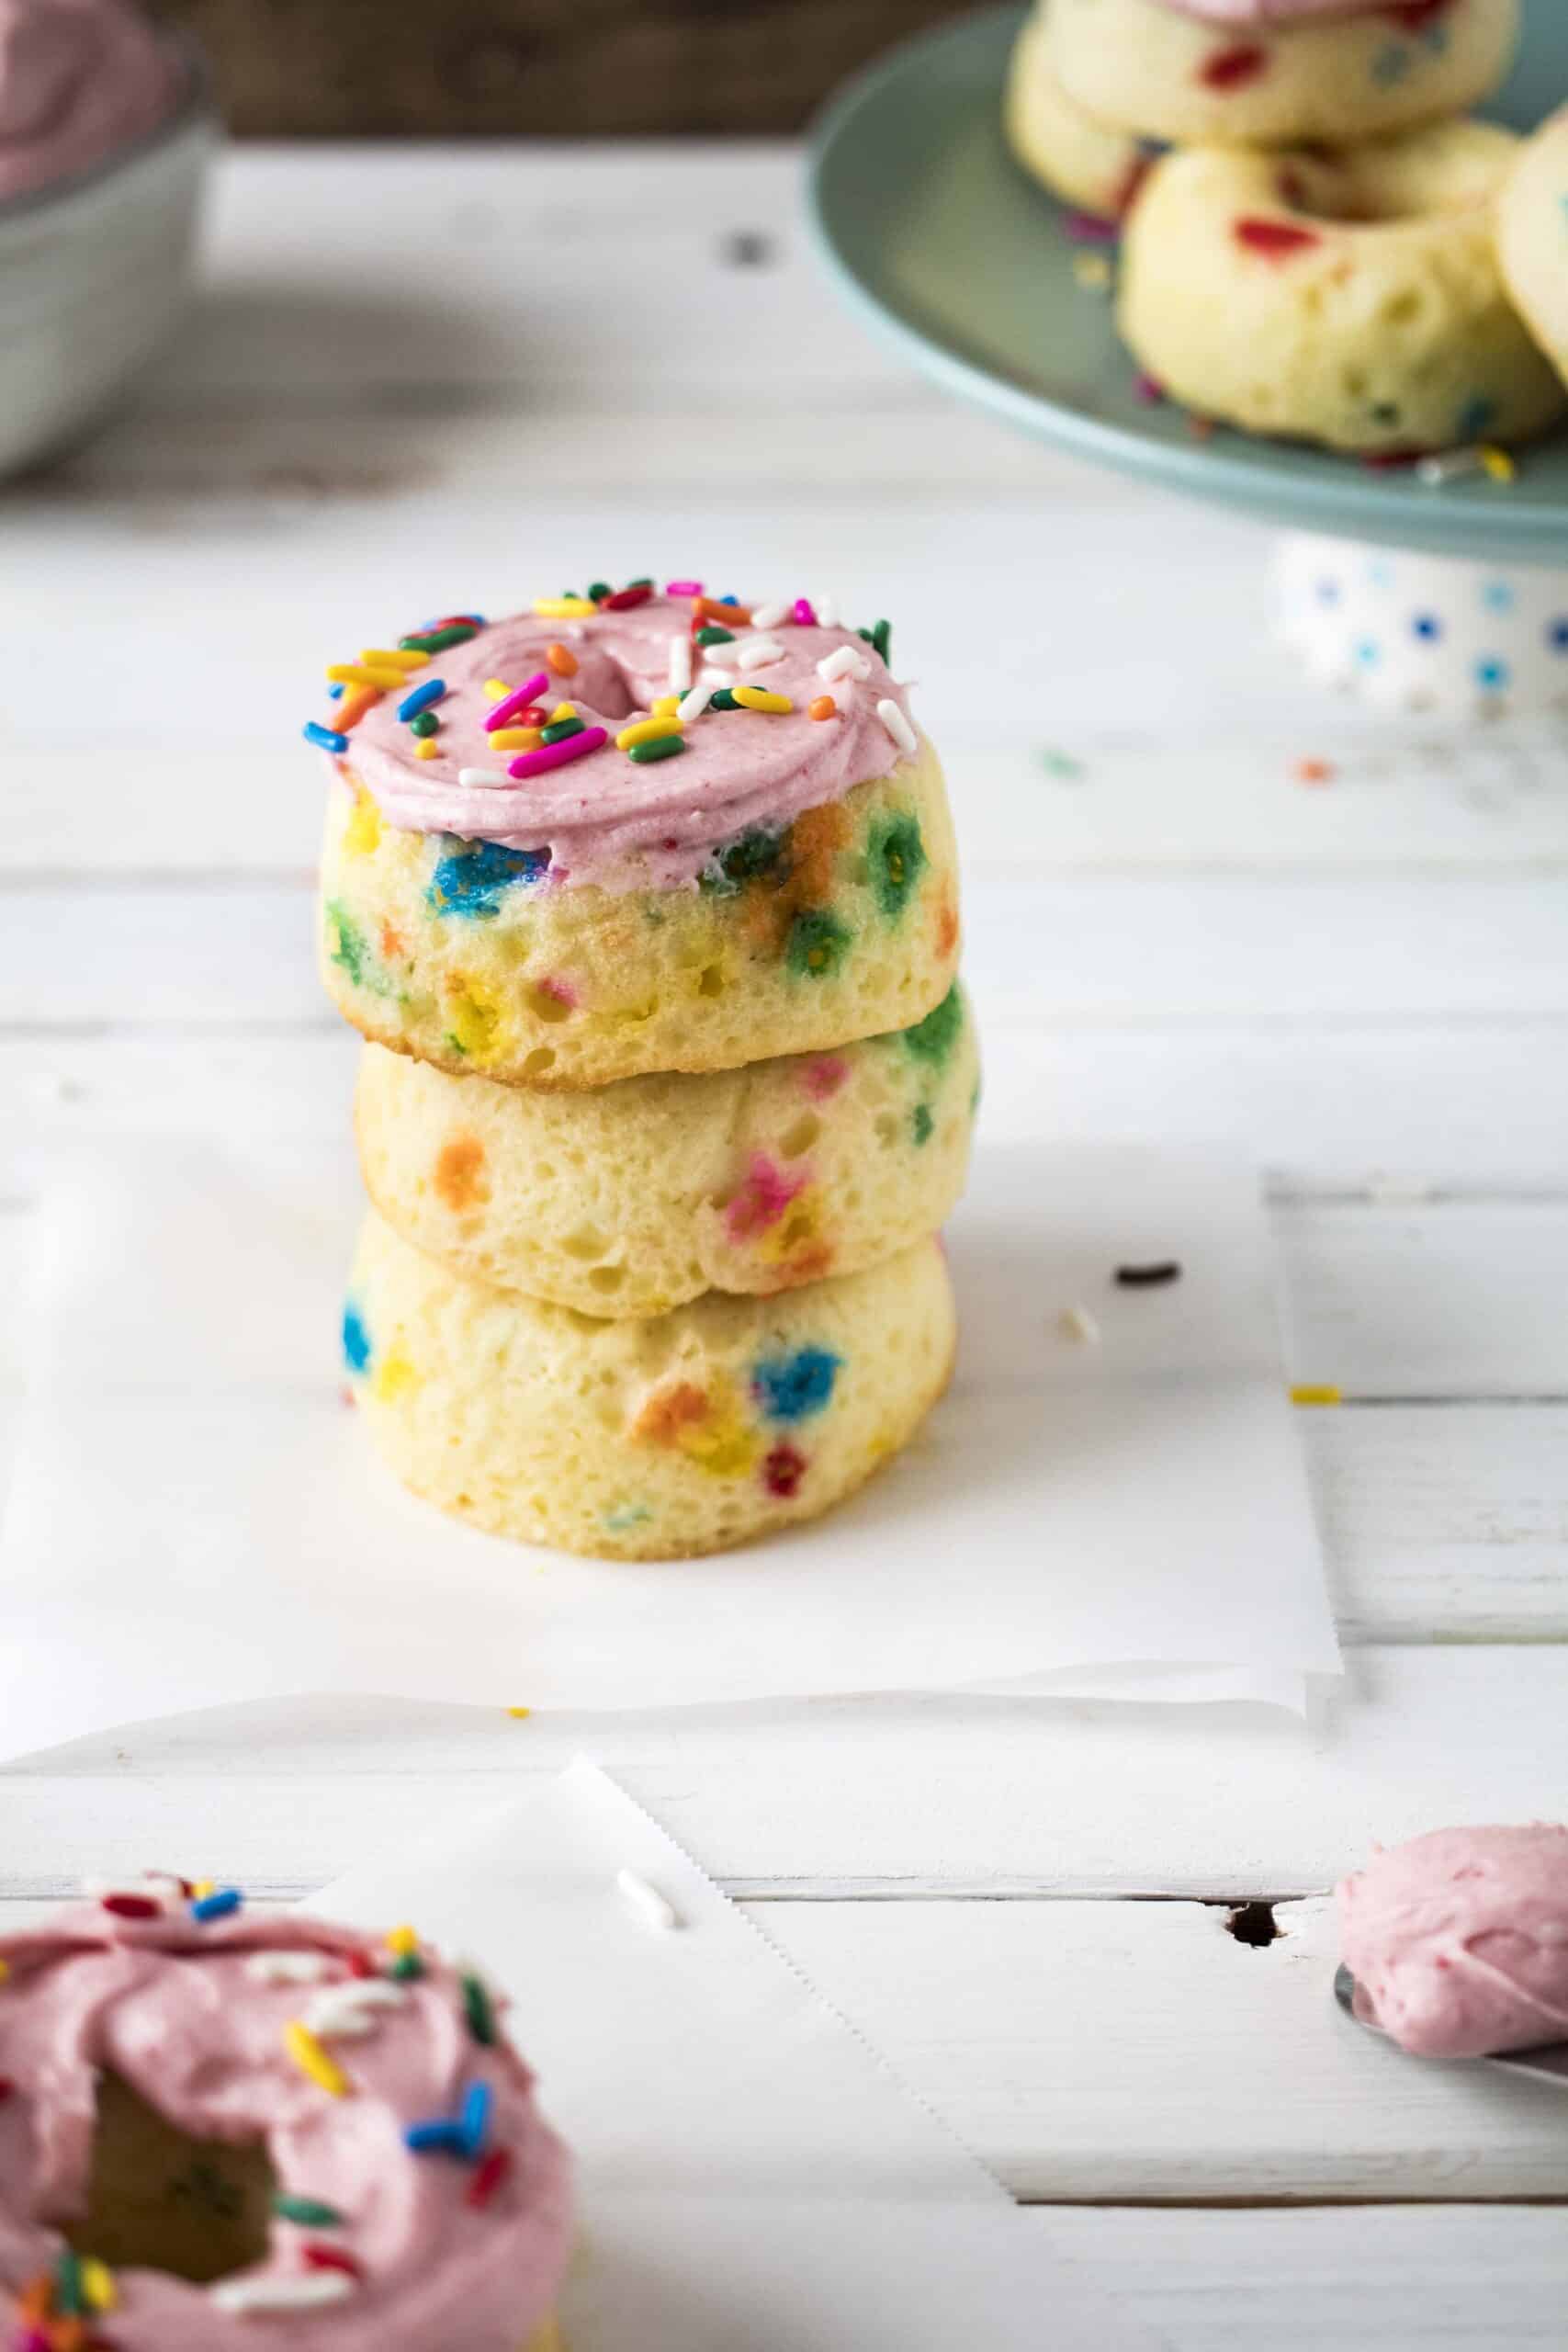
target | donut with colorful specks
[
  {"x": 217, "y": 2128},
  {"x": 1066, "y": 150},
  {"x": 1362, "y": 301},
  {"x": 1532, "y": 237},
  {"x": 647, "y": 1439},
  {"x": 630, "y": 1199},
  {"x": 629, "y": 831},
  {"x": 1150, "y": 69}
]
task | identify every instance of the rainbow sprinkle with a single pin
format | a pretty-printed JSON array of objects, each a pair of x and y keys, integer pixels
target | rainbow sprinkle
[
  {"x": 421, "y": 697},
  {"x": 312, "y": 2060}
]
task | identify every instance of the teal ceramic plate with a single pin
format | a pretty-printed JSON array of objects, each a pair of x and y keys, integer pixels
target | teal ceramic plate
[{"x": 947, "y": 248}]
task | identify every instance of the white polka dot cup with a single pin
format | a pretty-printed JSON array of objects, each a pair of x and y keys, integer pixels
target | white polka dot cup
[{"x": 1424, "y": 632}]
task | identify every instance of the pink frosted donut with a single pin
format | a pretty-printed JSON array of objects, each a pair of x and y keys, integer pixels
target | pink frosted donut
[
  {"x": 177, "y": 2075},
  {"x": 1269, "y": 12}
]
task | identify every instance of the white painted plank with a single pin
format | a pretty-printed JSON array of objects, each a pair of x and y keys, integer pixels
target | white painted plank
[
  {"x": 894, "y": 1799},
  {"x": 1122, "y": 2051}
]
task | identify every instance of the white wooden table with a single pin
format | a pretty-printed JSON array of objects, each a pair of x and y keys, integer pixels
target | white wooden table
[{"x": 436, "y": 378}]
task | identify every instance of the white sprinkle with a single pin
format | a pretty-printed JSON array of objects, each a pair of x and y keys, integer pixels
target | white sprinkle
[
  {"x": 1452, "y": 465},
  {"x": 288, "y": 1967},
  {"x": 1078, "y": 1323},
  {"x": 770, "y": 615},
  {"x": 481, "y": 778},
  {"x": 726, "y": 657},
  {"x": 692, "y": 706},
  {"x": 757, "y": 653},
  {"x": 827, "y": 611},
  {"x": 845, "y": 663},
  {"x": 242, "y": 2296},
  {"x": 348, "y": 2011},
  {"x": 645, "y": 1902},
  {"x": 899, "y": 727},
  {"x": 679, "y": 664}
]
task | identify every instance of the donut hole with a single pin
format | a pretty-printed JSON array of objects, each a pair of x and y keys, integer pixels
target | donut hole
[{"x": 158, "y": 2198}]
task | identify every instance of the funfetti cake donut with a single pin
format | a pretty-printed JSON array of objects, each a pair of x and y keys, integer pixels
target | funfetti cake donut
[
  {"x": 219, "y": 2130},
  {"x": 629, "y": 1199},
  {"x": 1075, "y": 156},
  {"x": 1458, "y": 1941},
  {"x": 1532, "y": 237},
  {"x": 629, "y": 831},
  {"x": 1151, "y": 68},
  {"x": 642, "y": 1439}
]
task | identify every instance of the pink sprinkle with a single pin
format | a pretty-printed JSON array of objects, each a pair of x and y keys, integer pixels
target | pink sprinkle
[
  {"x": 761, "y": 1200},
  {"x": 1149, "y": 390},
  {"x": 34, "y": 2341},
  {"x": 559, "y": 993},
  {"x": 683, "y": 587},
  {"x": 802, "y": 613},
  {"x": 824, "y": 1077},
  {"x": 514, "y": 703},
  {"x": 556, "y": 755},
  {"x": 1089, "y": 229}
]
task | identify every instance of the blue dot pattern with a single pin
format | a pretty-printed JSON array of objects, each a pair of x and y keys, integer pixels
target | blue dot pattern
[
  {"x": 1557, "y": 634},
  {"x": 471, "y": 880},
  {"x": 356, "y": 1339},
  {"x": 1492, "y": 672},
  {"x": 1428, "y": 627},
  {"x": 789, "y": 1388}
]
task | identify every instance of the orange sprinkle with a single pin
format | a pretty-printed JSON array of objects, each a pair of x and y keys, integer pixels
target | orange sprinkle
[
  {"x": 356, "y": 701},
  {"x": 824, "y": 707},
  {"x": 708, "y": 608},
  {"x": 561, "y": 660},
  {"x": 1313, "y": 771}
]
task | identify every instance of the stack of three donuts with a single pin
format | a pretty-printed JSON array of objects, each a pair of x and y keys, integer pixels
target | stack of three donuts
[
  {"x": 1317, "y": 260},
  {"x": 669, "y": 1082}
]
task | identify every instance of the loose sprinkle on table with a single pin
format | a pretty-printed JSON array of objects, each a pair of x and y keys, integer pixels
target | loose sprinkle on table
[
  {"x": 644, "y": 1902},
  {"x": 1078, "y": 1323},
  {"x": 1310, "y": 1393},
  {"x": 1153, "y": 1276},
  {"x": 1313, "y": 771}
]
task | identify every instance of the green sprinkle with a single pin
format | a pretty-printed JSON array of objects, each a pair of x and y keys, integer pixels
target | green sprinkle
[
  {"x": 562, "y": 729},
  {"x": 657, "y": 747},
  {"x": 933, "y": 1039},
  {"x": 308, "y": 2212},
  {"x": 725, "y": 700},
  {"x": 816, "y": 944},
  {"x": 597, "y": 588},
  {"x": 70, "y": 2303},
  {"x": 479, "y": 2010},
  {"x": 1061, "y": 763},
  {"x": 643, "y": 580},
  {"x": 715, "y": 637},
  {"x": 882, "y": 638},
  {"x": 921, "y": 1123},
  {"x": 438, "y": 639},
  {"x": 866, "y": 634},
  {"x": 897, "y": 861},
  {"x": 424, "y": 722},
  {"x": 754, "y": 856},
  {"x": 408, "y": 1967},
  {"x": 346, "y": 944}
]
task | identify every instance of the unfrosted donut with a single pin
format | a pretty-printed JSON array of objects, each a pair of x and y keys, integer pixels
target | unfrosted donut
[
  {"x": 642, "y": 1440},
  {"x": 1075, "y": 156},
  {"x": 185, "y": 2087},
  {"x": 1532, "y": 237},
  {"x": 772, "y": 874},
  {"x": 630, "y": 1199},
  {"x": 1144, "y": 67},
  {"x": 1359, "y": 295}
]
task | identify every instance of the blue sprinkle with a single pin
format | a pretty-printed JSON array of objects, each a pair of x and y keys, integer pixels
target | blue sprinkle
[
  {"x": 1474, "y": 417},
  {"x": 438, "y": 2136},
  {"x": 471, "y": 882},
  {"x": 729, "y": 600},
  {"x": 1492, "y": 672},
  {"x": 789, "y": 1387},
  {"x": 1428, "y": 627},
  {"x": 473, "y": 2120},
  {"x": 327, "y": 737},
  {"x": 421, "y": 697},
  {"x": 1557, "y": 634},
  {"x": 356, "y": 1339},
  {"x": 334, "y": 694},
  {"x": 216, "y": 1905}
]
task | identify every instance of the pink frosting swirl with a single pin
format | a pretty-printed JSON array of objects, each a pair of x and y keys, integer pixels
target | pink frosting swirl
[
  {"x": 1459, "y": 1940},
  {"x": 79, "y": 79},
  {"x": 1287, "y": 12},
  {"x": 188, "y": 2016},
  {"x": 604, "y": 818}
]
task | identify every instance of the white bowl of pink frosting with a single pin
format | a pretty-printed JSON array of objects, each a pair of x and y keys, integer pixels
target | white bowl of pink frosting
[{"x": 106, "y": 128}]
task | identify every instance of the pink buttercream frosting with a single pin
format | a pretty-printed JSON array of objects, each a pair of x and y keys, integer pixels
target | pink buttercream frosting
[
  {"x": 1459, "y": 1940},
  {"x": 1288, "y": 12},
  {"x": 605, "y": 819},
  {"x": 79, "y": 79},
  {"x": 184, "y": 2014}
]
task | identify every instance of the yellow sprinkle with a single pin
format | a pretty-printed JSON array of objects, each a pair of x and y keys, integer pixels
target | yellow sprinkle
[
  {"x": 517, "y": 1713},
  {"x": 393, "y": 1378},
  {"x": 397, "y": 657},
  {"x": 563, "y": 710},
  {"x": 1316, "y": 1396},
  {"x": 515, "y": 738},
  {"x": 200, "y": 1886},
  {"x": 401, "y": 1940},
  {"x": 1497, "y": 462},
  {"x": 97, "y": 2280},
  {"x": 429, "y": 750},
  {"x": 667, "y": 705},
  {"x": 363, "y": 831},
  {"x": 564, "y": 608},
  {"x": 1092, "y": 269},
  {"x": 356, "y": 673},
  {"x": 311, "y": 2059},
  {"x": 4, "y": 1972},
  {"x": 497, "y": 689},
  {"x": 758, "y": 698},
  {"x": 644, "y": 730}
]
